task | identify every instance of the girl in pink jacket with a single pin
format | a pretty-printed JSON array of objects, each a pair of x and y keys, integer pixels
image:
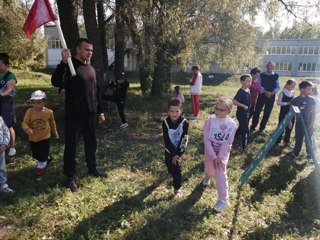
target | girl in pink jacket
[{"x": 218, "y": 135}]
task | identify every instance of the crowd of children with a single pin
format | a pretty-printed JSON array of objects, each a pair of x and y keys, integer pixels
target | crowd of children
[{"x": 219, "y": 129}]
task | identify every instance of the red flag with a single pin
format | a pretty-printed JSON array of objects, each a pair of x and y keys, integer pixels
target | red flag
[{"x": 40, "y": 13}]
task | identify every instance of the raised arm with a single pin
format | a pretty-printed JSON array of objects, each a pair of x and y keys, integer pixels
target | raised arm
[{"x": 59, "y": 75}]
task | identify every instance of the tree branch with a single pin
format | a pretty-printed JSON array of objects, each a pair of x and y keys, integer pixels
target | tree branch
[{"x": 288, "y": 8}]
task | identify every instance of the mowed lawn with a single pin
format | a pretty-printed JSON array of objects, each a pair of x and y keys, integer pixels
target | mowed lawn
[{"x": 135, "y": 201}]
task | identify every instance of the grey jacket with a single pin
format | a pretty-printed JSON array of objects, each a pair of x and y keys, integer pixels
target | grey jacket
[{"x": 4, "y": 133}]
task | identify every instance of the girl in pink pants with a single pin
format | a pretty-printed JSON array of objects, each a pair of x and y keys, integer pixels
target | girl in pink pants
[{"x": 218, "y": 135}]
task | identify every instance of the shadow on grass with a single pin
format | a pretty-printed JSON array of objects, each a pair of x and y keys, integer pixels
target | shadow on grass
[
  {"x": 113, "y": 216},
  {"x": 277, "y": 178},
  {"x": 174, "y": 221},
  {"x": 27, "y": 187},
  {"x": 302, "y": 215},
  {"x": 235, "y": 215}
]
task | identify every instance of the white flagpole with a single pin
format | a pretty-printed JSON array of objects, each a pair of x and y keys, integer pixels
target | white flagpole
[{"x": 64, "y": 45}]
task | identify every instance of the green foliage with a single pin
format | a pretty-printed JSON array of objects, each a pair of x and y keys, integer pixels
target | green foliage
[
  {"x": 301, "y": 30},
  {"x": 23, "y": 52}
]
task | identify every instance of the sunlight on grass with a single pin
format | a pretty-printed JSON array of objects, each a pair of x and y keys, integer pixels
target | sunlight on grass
[{"x": 135, "y": 201}]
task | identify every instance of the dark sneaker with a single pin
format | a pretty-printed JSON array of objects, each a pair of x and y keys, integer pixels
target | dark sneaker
[
  {"x": 293, "y": 158},
  {"x": 97, "y": 173},
  {"x": 310, "y": 159},
  {"x": 70, "y": 183}
]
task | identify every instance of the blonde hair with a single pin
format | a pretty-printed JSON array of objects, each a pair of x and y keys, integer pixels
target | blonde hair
[{"x": 227, "y": 102}]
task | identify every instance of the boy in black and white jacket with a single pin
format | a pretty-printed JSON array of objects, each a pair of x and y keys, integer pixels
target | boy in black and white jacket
[{"x": 175, "y": 134}]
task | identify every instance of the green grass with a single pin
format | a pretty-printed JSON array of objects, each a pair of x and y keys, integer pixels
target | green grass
[{"x": 135, "y": 201}]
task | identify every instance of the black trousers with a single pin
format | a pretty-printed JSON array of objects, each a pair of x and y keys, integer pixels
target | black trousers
[
  {"x": 40, "y": 150},
  {"x": 174, "y": 170},
  {"x": 243, "y": 128},
  {"x": 251, "y": 111},
  {"x": 267, "y": 104},
  {"x": 74, "y": 128},
  {"x": 120, "y": 105},
  {"x": 287, "y": 131},
  {"x": 299, "y": 136}
]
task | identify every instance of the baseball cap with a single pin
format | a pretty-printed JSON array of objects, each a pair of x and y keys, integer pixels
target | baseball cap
[{"x": 38, "y": 95}]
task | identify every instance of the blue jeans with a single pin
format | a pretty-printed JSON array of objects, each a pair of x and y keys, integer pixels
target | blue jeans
[{"x": 3, "y": 173}]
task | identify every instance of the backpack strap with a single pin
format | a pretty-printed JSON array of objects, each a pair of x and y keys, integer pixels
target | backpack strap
[
  {"x": 4, "y": 80},
  {"x": 6, "y": 76}
]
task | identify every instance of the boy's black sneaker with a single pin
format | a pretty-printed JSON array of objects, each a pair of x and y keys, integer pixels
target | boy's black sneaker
[
  {"x": 97, "y": 173},
  {"x": 293, "y": 158},
  {"x": 70, "y": 183}
]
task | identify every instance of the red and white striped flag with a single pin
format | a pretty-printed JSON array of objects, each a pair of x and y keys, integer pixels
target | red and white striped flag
[{"x": 40, "y": 13}]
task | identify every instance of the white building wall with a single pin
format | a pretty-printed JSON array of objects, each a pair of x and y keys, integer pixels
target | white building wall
[{"x": 294, "y": 57}]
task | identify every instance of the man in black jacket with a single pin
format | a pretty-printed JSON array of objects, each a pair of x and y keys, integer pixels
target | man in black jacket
[{"x": 82, "y": 104}]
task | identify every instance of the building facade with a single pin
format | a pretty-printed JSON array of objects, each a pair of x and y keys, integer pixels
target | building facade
[{"x": 294, "y": 57}]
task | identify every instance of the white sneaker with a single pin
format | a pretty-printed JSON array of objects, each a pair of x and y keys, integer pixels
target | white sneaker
[
  {"x": 5, "y": 188},
  {"x": 124, "y": 125},
  {"x": 12, "y": 152},
  {"x": 310, "y": 159},
  {"x": 220, "y": 205},
  {"x": 206, "y": 181}
]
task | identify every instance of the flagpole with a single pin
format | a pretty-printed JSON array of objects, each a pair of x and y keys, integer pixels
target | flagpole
[{"x": 64, "y": 45}]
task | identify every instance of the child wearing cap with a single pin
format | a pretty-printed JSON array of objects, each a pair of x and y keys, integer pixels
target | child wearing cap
[{"x": 39, "y": 123}]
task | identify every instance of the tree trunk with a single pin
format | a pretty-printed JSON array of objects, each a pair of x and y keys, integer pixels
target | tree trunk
[
  {"x": 119, "y": 39},
  {"x": 93, "y": 33},
  {"x": 158, "y": 74},
  {"x": 147, "y": 78},
  {"x": 167, "y": 73},
  {"x": 141, "y": 46},
  {"x": 102, "y": 33},
  {"x": 69, "y": 24},
  {"x": 158, "y": 81}
]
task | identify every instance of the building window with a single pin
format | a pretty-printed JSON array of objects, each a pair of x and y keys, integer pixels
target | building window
[
  {"x": 54, "y": 42},
  {"x": 309, "y": 67},
  {"x": 305, "y": 50},
  {"x": 311, "y": 49},
  {"x": 283, "y": 66},
  {"x": 291, "y": 50},
  {"x": 288, "y": 50}
]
